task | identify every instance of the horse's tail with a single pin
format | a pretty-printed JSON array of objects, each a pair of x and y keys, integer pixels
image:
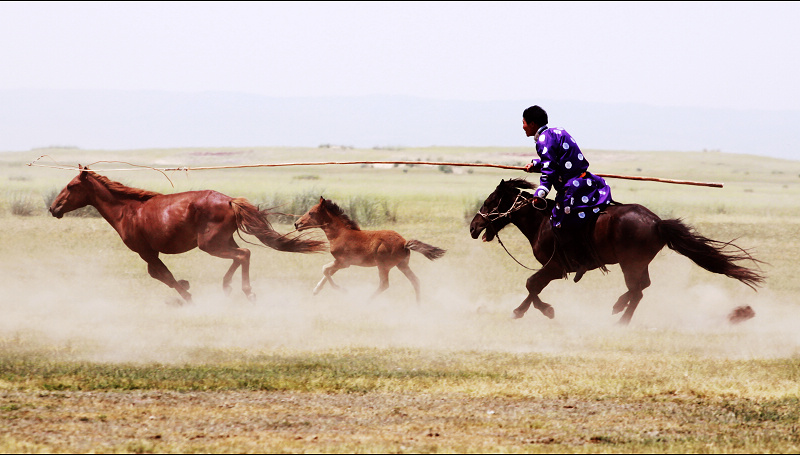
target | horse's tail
[
  {"x": 429, "y": 251},
  {"x": 707, "y": 253},
  {"x": 251, "y": 220}
]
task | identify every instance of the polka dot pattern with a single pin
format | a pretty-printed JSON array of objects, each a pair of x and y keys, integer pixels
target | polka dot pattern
[{"x": 580, "y": 196}]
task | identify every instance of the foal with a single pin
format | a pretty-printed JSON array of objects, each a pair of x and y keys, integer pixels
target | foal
[{"x": 350, "y": 245}]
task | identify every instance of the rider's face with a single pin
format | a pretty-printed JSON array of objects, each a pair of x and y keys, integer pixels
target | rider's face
[{"x": 530, "y": 128}]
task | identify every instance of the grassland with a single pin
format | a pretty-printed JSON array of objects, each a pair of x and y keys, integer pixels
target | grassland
[{"x": 93, "y": 356}]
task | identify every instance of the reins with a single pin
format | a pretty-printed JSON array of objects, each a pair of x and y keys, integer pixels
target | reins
[{"x": 517, "y": 205}]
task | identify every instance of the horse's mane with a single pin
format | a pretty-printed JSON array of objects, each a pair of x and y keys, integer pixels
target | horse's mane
[
  {"x": 521, "y": 183},
  {"x": 337, "y": 211},
  {"x": 121, "y": 190}
]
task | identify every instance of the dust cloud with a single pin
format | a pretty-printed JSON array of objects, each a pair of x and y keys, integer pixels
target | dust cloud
[{"x": 100, "y": 315}]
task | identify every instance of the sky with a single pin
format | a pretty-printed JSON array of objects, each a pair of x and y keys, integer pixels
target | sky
[{"x": 740, "y": 55}]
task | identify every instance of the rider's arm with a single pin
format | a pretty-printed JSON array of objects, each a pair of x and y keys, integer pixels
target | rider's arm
[{"x": 545, "y": 148}]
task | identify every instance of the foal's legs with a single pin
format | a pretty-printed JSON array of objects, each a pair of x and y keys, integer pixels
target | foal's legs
[
  {"x": 383, "y": 274},
  {"x": 535, "y": 284},
  {"x": 637, "y": 278},
  {"x": 403, "y": 266},
  {"x": 327, "y": 275},
  {"x": 158, "y": 270}
]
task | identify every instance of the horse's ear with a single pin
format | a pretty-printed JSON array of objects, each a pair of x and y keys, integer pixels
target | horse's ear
[
  {"x": 321, "y": 199},
  {"x": 84, "y": 170}
]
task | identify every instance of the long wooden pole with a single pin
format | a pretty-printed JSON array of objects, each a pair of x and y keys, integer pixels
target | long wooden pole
[
  {"x": 430, "y": 163},
  {"x": 436, "y": 163}
]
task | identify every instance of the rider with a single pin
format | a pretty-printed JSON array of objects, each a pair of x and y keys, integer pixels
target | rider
[{"x": 580, "y": 195}]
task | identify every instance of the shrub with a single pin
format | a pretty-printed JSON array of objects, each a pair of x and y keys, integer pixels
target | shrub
[
  {"x": 365, "y": 210},
  {"x": 286, "y": 209},
  {"x": 471, "y": 207},
  {"x": 370, "y": 211},
  {"x": 23, "y": 204}
]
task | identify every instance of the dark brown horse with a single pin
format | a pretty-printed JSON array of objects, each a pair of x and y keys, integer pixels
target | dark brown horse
[
  {"x": 150, "y": 223},
  {"x": 350, "y": 245},
  {"x": 626, "y": 234}
]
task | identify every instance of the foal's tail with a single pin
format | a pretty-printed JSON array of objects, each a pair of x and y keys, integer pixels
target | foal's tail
[
  {"x": 429, "y": 251},
  {"x": 709, "y": 254},
  {"x": 251, "y": 220}
]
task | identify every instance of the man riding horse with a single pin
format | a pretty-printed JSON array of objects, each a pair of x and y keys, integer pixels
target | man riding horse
[{"x": 580, "y": 195}]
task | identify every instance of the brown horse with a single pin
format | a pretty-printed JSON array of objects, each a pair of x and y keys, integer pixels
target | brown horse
[
  {"x": 150, "y": 223},
  {"x": 626, "y": 234},
  {"x": 350, "y": 245}
]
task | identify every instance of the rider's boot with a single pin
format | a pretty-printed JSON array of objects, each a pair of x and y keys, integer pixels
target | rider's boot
[
  {"x": 576, "y": 252},
  {"x": 582, "y": 269}
]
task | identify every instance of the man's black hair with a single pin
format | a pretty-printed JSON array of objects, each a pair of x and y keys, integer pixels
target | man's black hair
[{"x": 535, "y": 114}]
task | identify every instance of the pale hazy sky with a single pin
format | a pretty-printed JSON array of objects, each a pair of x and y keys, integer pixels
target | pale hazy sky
[{"x": 701, "y": 54}]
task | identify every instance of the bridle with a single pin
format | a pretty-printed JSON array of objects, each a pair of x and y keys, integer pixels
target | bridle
[{"x": 520, "y": 202}]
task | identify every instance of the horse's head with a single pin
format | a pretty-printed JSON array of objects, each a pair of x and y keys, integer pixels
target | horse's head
[
  {"x": 74, "y": 196},
  {"x": 494, "y": 213},
  {"x": 315, "y": 217}
]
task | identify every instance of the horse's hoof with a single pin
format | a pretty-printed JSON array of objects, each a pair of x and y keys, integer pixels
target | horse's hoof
[
  {"x": 549, "y": 312},
  {"x": 617, "y": 310},
  {"x": 516, "y": 315},
  {"x": 184, "y": 284},
  {"x": 251, "y": 298},
  {"x": 227, "y": 290}
]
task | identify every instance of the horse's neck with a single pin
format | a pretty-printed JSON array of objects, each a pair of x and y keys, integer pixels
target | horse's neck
[
  {"x": 335, "y": 228},
  {"x": 111, "y": 207},
  {"x": 529, "y": 221}
]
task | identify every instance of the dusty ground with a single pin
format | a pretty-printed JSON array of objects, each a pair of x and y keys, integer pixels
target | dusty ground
[{"x": 376, "y": 422}]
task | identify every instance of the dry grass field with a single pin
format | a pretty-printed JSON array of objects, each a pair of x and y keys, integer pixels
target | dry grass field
[{"x": 95, "y": 356}]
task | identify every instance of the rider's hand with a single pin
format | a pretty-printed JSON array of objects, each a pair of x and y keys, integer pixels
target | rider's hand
[{"x": 534, "y": 166}]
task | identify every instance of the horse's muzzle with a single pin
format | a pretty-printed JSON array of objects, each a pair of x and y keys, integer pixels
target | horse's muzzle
[
  {"x": 56, "y": 212},
  {"x": 477, "y": 226}
]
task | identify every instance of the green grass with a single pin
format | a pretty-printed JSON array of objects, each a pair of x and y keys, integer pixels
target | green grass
[{"x": 479, "y": 374}]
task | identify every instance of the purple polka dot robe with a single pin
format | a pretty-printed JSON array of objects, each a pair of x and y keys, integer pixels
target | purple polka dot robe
[{"x": 580, "y": 195}]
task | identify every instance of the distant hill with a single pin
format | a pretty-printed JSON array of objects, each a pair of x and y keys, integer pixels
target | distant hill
[{"x": 150, "y": 119}]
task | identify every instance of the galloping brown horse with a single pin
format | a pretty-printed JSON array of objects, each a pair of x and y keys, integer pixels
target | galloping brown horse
[
  {"x": 350, "y": 245},
  {"x": 626, "y": 234},
  {"x": 150, "y": 223}
]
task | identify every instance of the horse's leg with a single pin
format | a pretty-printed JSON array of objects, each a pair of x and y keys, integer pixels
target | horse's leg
[
  {"x": 158, "y": 270},
  {"x": 327, "y": 276},
  {"x": 240, "y": 257},
  {"x": 383, "y": 273},
  {"x": 636, "y": 279},
  {"x": 622, "y": 302},
  {"x": 403, "y": 266},
  {"x": 228, "y": 278},
  {"x": 535, "y": 284}
]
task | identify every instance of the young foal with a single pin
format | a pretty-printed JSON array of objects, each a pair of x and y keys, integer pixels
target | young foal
[
  {"x": 349, "y": 245},
  {"x": 150, "y": 223}
]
